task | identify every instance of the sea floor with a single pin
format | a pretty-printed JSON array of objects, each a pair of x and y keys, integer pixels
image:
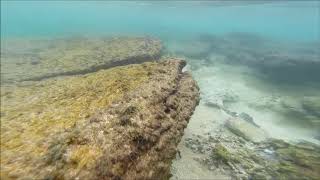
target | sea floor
[{"x": 233, "y": 90}]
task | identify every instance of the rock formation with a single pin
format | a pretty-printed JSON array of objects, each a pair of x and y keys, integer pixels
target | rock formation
[
  {"x": 43, "y": 59},
  {"x": 269, "y": 159},
  {"x": 246, "y": 130},
  {"x": 119, "y": 123}
]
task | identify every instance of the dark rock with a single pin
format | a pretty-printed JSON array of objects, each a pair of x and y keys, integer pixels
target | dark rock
[{"x": 248, "y": 118}]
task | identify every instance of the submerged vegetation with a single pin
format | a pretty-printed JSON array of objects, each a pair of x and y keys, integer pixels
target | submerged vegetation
[
  {"x": 97, "y": 125},
  {"x": 33, "y": 111},
  {"x": 269, "y": 159},
  {"x": 221, "y": 153},
  {"x": 49, "y": 58},
  {"x": 301, "y": 160}
]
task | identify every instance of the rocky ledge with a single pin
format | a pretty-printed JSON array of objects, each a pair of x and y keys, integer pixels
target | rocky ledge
[
  {"x": 120, "y": 123},
  {"x": 240, "y": 158},
  {"x": 39, "y": 59}
]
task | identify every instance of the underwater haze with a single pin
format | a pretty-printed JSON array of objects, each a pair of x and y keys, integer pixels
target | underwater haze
[
  {"x": 257, "y": 64},
  {"x": 294, "y": 20}
]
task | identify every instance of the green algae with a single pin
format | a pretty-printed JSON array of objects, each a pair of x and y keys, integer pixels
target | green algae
[
  {"x": 222, "y": 153},
  {"x": 285, "y": 160},
  {"x": 33, "y": 111},
  {"x": 300, "y": 160},
  {"x": 290, "y": 161}
]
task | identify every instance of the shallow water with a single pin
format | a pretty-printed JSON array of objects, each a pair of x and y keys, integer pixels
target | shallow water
[
  {"x": 286, "y": 20},
  {"x": 261, "y": 58}
]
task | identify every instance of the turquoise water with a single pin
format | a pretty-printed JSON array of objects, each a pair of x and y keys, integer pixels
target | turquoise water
[
  {"x": 258, "y": 59},
  {"x": 285, "y": 20}
]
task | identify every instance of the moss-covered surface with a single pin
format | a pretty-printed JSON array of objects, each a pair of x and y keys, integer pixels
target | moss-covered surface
[
  {"x": 296, "y": 161},
  {"x": 118, "y": 123},
  {"x": 271, "y": 159},
  {"x": 42, "y": 58},
  {"x": 289, "y": 161},
  {"x": 33, "y": 112},
  {"x": 221, "y": 153}
]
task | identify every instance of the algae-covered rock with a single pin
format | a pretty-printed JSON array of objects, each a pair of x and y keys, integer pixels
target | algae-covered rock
[
  {"x": 295, "y": 161},
  {"x": 38, "y": 59},
  {"x": 221, "y": 153},
  {"x": 120, "y": 123},
  {"x": 248, "y": 118},
  {"x": 246, "y": 130}
]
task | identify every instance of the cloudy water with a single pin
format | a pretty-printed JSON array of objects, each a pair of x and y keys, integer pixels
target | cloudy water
[{"x": 257, "y": 64}]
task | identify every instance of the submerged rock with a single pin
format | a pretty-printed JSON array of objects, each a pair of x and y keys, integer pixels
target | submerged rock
[
  {"x": 215, "y": 104},
  {"x": 218, "y": 98},
  {"x": 295, "y": 161},
  {"x": 191, "y": 49},
  {"x": 277, "y": 61},
  {"x": 248, "y": 118},
  {"x": 312, "y": 105},
  {"x": 246, "y": 130},
  {"x": 120, "y": 123},
  {"x": 270, "y": 159},
  {"x": 73, "y": 56},
  {"x": 221, "y": 153}
]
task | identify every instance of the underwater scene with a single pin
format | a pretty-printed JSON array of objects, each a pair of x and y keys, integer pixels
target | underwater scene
[{"x": 160, "y": 90}]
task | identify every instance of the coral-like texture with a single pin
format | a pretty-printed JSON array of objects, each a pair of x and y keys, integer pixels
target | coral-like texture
[
  {"x": 43, "y": 59},
  {"x": 120, "y": 123}
]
